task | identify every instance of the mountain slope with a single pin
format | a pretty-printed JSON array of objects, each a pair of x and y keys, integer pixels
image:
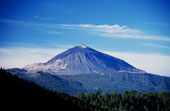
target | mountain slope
[
  {"x": 83, "y": 69},
  {"x": 21, "y": 95},
  {"x": 121, "y": 82},
  {"x": 82, "y": 60},
  {"x": 117, "y": 81},
  {"x": 50, "y": 81}
]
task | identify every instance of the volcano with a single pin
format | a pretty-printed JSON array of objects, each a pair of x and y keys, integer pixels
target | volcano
[
  {"x": 82, "y": 60},
  {"x": 83, "y": 69}
]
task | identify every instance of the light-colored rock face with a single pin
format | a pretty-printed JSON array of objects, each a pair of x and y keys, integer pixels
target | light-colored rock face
[
  {"x": 82, "y": 60},
  {"x": 54, "y": 67}
]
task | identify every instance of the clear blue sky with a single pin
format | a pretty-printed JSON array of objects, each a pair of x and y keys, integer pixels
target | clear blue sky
[{"x": 40, "y": 23}]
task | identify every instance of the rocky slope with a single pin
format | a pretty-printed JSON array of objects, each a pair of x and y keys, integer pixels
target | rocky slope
[{"x": 82, "y": 59}]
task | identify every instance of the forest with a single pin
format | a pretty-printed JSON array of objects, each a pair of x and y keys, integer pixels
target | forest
[
  {"x": 20, "y": 94},
  {"x": 129, "y": 101}
]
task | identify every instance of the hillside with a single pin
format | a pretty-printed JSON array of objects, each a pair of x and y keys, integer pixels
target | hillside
[
  {"x": 83, "y": 69},
  {"x": 20, "y": 94},
  {"x": 88, "y": 83}
]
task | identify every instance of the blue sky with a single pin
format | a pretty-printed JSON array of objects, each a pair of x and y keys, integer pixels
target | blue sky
[{"x": 124, "y": 26}]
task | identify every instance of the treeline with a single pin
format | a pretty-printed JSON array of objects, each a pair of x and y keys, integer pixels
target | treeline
[
  {"x": 129, "y": 101},
  {"x": 18, "y": 94}
]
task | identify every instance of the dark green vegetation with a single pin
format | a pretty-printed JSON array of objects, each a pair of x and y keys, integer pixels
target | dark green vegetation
[
  {"x": 121, "y": 82},
  {"x": 51, "y": 82},
  {"x": 19, "y": 94},
  {"x": 129, "y": 101},
  {"x": 87, "y": 83}
]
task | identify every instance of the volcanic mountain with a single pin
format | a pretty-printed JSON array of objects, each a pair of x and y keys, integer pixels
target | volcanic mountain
[
  {"x": 83, "y": 69},
  {"x": 82, "y": 60}
]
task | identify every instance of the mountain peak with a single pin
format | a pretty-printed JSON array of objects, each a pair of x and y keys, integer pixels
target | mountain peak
[
  {"x": 82, "y": 46},
  {"x": 83, "y": 60}
]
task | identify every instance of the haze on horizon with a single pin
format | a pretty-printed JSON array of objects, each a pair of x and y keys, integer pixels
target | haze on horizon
[{"x": 135, "y": 31}]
